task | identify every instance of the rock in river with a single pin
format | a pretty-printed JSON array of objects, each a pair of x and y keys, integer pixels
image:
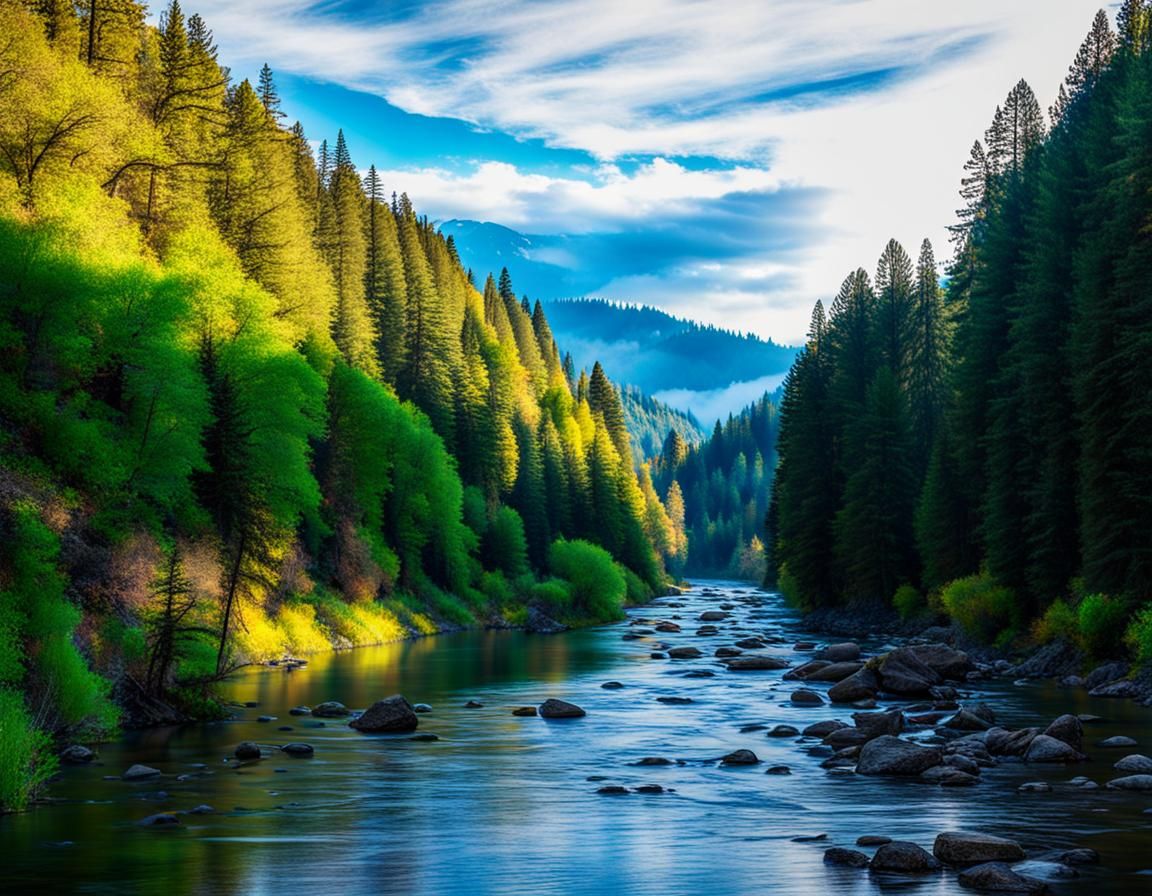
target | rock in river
[
  {"x": 1045, "y": 748},
  {"x": 902, "y": 672},
  {"x": 823, "y": 729},
  {"x": 855, "y": 687},
  {"x": 1112, "y": 743},
  {"x": 840, "y": 653},
  {"x": 140, "y": 773},
  {"x": 756, "y": 663},
  {"x": 838, "y": 855},
  {"x": 1132, "y": 782},
  {"x": 971, "y": 848},
  {"x": 740, "y": 757},
  {"x": 161, "y": 819},
  {"x": 247, "y": 750},
  {"x": 1069, "y": 729},
  {"x": 685, "y": 653},
  {"x": 1134, "y": 765},
  {"x": 559, "y": 709},
  {"x": 390, "y": 714},
  {"x": 299, "y": 750},
  {"x": 887, "y": 755},
  {"x": 524, "y": 711},
  {"x": 996, "y": 877},
  {"x": 904, "y": 857},
  {"x": 77, "y": 755},
  {"x": 805, "y": 697},
  {"x": 330, "y": 709}
]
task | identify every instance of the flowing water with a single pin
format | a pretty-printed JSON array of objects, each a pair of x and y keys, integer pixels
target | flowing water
[{"x": 504, "y": 805}]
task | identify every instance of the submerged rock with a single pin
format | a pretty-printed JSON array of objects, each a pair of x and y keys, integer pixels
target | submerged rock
[
  {"x": 247, "y": 750},
  {"x": 160, "y": 819},
  {"x": 1111, "y": 743},
  {"x": 524, "y": 711},
  {"x": 330, "y": 709},
  {"x": 1142, "y": 783},
  {"x": 756, "y": 663},
  {"x": 740, "y": 757},
  {"x": 685, "y": 653},
  {"x": 299, "y": 750},
  {"x": 77, "y": 755}
]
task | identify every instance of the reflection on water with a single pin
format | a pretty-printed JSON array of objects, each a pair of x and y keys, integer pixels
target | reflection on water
[{"x": 502, "y": 804}]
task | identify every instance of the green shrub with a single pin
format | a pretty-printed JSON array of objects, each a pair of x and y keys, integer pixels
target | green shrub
[
  {"x": 638, "y": 591},
  {"x": 26, "y": 762},
  {"x": 505, "y": 545},
  {"x": 985, "y": 609},
  {"x": 598, "y": 585},
  {"x": 1102, "y": 620},
  {"x": 1138, "y": 637},
  {"x": 1059, "y": 623},
  {"x": 908, "y": 602},
  {"x": 496, "y": 588},
  {"x": 554, "y": 596}
]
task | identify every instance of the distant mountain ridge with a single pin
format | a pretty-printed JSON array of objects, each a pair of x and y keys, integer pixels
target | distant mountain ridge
[{"x": 705, "y": 370}]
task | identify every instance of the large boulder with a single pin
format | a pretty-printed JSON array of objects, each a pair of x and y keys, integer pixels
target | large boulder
[
  {"x": 859, "y": 686},
  {"x": 840, "y": 653},
  {"x": 903, "y": 857},
  {"x": 996, "y": 877},
  {"x": 1002, "y": 742},
  {"x": 560, "y": 709},
  {"x": 392, "y": 714},
  {"x": 756, "y": 663},
  {"x": 835, "y": 672},
  {"x": 903, "y": 672},
  {"x": 1045, "y": 748},
  {"x": 876, "y": 724},
  {"x": 971, "y": 848},
  {"x": 1069, "y": 729},
  {"x": 887, "y": 755},
  {"x": 945, "y": 661}
]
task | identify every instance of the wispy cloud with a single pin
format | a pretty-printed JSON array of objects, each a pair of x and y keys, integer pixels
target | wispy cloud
[{"x": 865, "y": 108}]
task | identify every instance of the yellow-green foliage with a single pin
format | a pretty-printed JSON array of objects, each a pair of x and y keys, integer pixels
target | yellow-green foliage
[
  {"x": 26, "y": 762},
  {"x": 982, "y": 607},
  {"x": 1060, "y": 622},
  {"x": 1138, "y": 637},
  {"x": 1102, "y": 620},
  {"x": 598, "y": 586},
  {"x": 908, "y": 601}
]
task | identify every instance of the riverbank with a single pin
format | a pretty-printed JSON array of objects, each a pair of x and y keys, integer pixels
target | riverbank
[{"x": 1057, "y": 661}]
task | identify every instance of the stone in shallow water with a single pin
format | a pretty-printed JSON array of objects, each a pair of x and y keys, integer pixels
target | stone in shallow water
[
  {"x": 524, "y": 711},
  {"x": 392, "y": 714},
  {"x": 837, "y": 855},
  {"x": 298, "y": 749},
  {"x": 247, "y": 750},
  {"x": 161, "y": 819},
  {"x": 904, "y": 857},
  {"x": 997, "y": 877},
  {"x": 612, "y": 685},
  {"x": 140, "y": 773},
  {"x": 330, "y": 709},
  {"x": 1116, "y": 742},
  {"x": 560, "y": 709},
  {"x": 973, "y": 848},
  {"x": 740, "y": 757}
]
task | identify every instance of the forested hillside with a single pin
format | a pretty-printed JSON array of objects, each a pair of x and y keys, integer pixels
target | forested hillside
[
  {"x": 988, "y": 448},
  {"x": 649, "y": 422},
  {"x": 250, "y": 402},
  {"x": 718, "y": 492}
]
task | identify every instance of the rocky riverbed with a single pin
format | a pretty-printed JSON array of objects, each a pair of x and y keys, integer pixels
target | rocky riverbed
[{"x": 708, "y": 743}]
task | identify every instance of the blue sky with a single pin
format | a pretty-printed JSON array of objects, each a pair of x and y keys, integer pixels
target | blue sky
[{"x": 728, "y": 160}]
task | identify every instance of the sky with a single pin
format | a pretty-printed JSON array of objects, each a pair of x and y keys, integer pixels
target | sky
[{"x": 755, "y": 151}]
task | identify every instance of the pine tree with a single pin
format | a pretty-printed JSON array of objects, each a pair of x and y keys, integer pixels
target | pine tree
[
  {"x": 605, "y": 401},
  {"x": 385, "y": 289},
  {"x": 927, "y": 359},
  {"x": 895, "y": 303},
  {"x": 266, "y": 89}
]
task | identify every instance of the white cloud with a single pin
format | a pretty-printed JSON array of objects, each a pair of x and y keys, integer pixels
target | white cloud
[{"x": 674, "y": 77}]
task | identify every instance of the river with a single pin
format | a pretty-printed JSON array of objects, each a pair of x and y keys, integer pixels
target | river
[{"x": 504, "y": 805}]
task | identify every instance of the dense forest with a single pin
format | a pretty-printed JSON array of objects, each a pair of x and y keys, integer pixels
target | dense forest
[
  {"x": 984, "y": 450},
  {"x": 650, "y": 421},
  {"x": 718, "y": 492},
  {"x": 252, "y": 405}
]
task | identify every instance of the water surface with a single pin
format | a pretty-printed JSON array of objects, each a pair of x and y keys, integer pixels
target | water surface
[{"x": 503, "y": 805}]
